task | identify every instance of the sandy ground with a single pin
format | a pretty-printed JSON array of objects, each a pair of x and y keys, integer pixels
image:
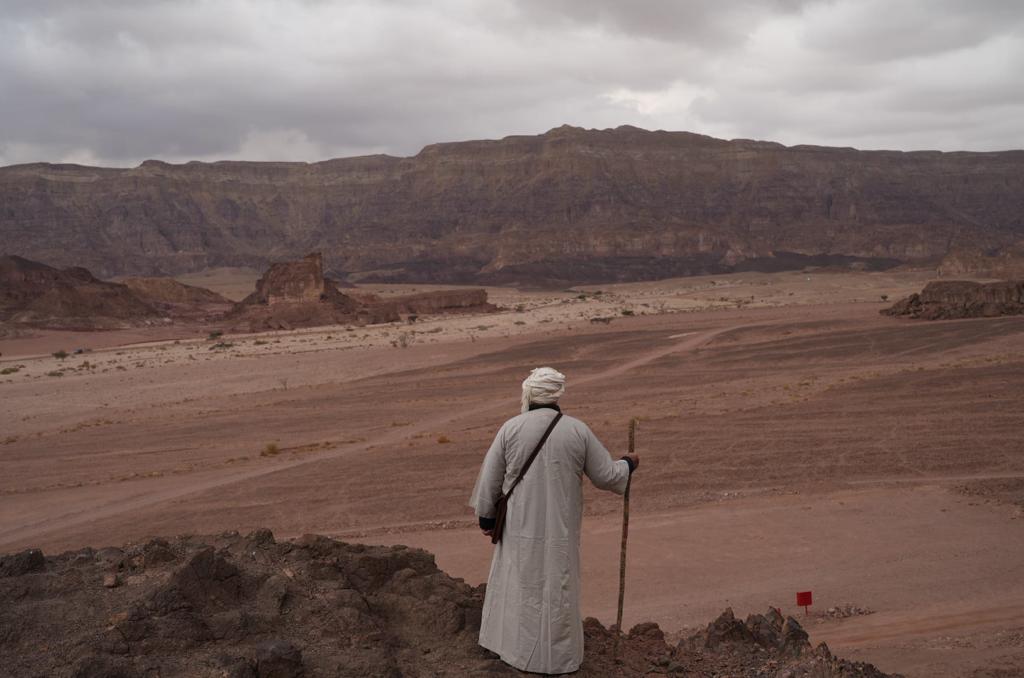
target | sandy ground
[{"x": 791, "y": 437}]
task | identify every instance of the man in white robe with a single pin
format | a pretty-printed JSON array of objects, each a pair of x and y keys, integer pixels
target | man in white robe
[{"x": 531, "y": 614}]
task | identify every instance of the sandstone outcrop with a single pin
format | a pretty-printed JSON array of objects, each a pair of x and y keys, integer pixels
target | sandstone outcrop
[
  {"x": 570, "y": 205},
  {"x": 250, "y": 606},
  {"x": 38, "y": 295},
  {"x": 962, "y": 299},
  {"x": 296, "y": 294},
  {"x": 295, "y": 282}
]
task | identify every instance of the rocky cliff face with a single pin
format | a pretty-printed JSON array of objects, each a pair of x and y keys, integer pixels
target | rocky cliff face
[{"x": 568, "y": 205}]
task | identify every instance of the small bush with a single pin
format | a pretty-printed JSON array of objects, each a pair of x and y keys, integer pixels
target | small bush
[
  {"x": 9, "y": 370},
  {"x": 270, "y": 450},
  {"x": 885, "y": 297},
  {"x": 221, "y": 345},
  {"x": 55, "y": 373},
  {"x": 443, "y": 440},
  {"x": 216, "y": 334},
  {"x": 627, "y": 311},
  {"x": 60, "y": 355}
]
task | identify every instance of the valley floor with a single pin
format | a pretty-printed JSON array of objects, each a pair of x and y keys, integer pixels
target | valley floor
[{"x": 791, "y": 439}]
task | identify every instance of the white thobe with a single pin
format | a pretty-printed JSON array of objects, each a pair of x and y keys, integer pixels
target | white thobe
[{"x": 531, "y": 615}]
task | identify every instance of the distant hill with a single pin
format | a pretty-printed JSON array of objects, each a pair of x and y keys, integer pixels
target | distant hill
[
  {"x": 571, "y": 205},
  {"x": 170, "y": 291},
  {"x": 38, "y": 295}
]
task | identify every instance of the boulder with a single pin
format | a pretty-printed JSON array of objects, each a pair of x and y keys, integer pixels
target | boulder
[
  {"x": 21, "y": 563},
  {"x": 278, "y": 659},
  {"x": 727, "y": 629}
]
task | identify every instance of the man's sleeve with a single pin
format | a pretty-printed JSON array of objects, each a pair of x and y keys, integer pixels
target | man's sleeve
[
  {"x": 492, "y": 475},
  {"x": 599, "y": 467}
]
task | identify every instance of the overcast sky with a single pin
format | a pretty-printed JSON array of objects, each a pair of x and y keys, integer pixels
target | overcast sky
[{"x": 114, "y": 82}]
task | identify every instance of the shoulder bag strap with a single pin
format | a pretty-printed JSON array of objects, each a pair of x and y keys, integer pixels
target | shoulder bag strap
[{"x": 526, "y": 466}]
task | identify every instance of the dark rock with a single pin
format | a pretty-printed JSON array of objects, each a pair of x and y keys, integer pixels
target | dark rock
[
  {"x": 794, "y": 640},
  {"x": 260, "y": 537},
  {"x": 727, "y": 629},
  {"x": 647, "y": 630},
  {"x": 764, "y": 630},
  {"x": 104, "y": 667},
  {"x": 775, "y": 618},
  {"x": 278, "y": 659},
  {"x": 21, "y": 563},
  {"x": 271, "y": 595},
  {"x": 111, "y": 557}
]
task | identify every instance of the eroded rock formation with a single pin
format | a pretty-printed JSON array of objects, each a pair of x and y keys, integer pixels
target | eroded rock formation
[
  {"x": 962, "y": 299},
  {"x": 250, "y": 606},
  {"x": 296, "y": 294},
  {"x": 571, "y": 205}
]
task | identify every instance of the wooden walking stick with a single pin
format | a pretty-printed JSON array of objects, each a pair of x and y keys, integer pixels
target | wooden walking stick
[{"x": 625, "y": 534}]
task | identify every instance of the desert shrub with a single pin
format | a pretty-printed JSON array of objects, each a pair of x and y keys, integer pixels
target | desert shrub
[
  {"x": 60, "y": 355},
  {"x": 885, "y": 297},
  {"x": 260, "y": 342},
  {"x": 520, "y": 322},
  {"x": 220, "y": 345},
  {"x": 443, "y": 440},
  {"x": 216, "y": 334},
  {"x": 9, "y": 370},
  {"x": 270, "y": 450},
  {"x": 55, "y": 373},
  {"x": 627, "y": 311}
]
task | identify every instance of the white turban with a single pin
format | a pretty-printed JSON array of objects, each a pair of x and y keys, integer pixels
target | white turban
[{"x": 544, "y": 386}]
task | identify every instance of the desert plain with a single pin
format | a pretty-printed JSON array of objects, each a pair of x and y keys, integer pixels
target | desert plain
[{"x": 791, "y": 438}]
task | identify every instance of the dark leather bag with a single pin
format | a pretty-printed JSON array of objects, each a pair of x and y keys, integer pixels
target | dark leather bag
[{"x": 501, "y": 506}]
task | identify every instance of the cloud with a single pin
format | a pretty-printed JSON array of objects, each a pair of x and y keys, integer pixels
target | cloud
[{"x": 118, "y": 81}]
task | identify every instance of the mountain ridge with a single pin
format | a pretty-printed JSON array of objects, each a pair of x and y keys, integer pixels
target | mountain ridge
[{"x": 570, "y": 205}]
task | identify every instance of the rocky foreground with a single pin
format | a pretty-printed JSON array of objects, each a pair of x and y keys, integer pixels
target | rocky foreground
[{"x": 246, "y": 606}]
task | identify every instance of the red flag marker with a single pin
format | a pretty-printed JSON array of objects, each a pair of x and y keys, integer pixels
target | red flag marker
[{"x": 804, "y": 600}]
